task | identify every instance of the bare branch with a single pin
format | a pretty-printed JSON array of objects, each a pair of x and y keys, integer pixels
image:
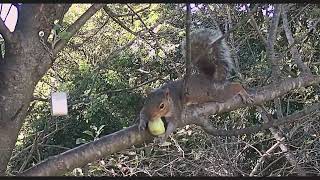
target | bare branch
[
  {"x": 149, "y": 30},
  {"x": 278, "y": 136},
  {"x": 294, "y": 51},
  {"x": 139, "y": 33},
  {"x": 39, "y": 99},
  {"x": 5, "y": 32},
  {"x": 91, "y": 36},
  {"x": 300, "y": 39},
  {"x": 114, "y": 17},
  {"x": 188, "y": 49},
  {"x": 255, "y": 25},
  {"x": 120, "y": 23},
  {"x": 240, "y": 23},
  {"x": 132, "y": 14},
  {"x": 34, "y": 145},
  {"x": 297, "y": 116},
  {"x": 271, "y": 56},
  {"x": 263, "y": 157},
  {"x": 77, "y": 25},
  {"x": 66, "y": 7},
  {"x": 135, "y": 87}
]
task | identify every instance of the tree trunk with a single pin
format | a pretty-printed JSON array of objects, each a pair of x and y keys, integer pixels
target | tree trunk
[{"x": 25, "y": 62}]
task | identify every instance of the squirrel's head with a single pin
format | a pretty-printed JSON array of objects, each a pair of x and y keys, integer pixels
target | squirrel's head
[{"x": 157, "y": 104}]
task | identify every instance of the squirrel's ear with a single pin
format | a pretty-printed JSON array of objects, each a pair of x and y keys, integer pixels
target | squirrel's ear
[{"x": 167, "y": 92}]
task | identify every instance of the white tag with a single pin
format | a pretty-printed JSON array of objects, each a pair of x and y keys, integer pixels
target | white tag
[{"x": 59, "y": 106}]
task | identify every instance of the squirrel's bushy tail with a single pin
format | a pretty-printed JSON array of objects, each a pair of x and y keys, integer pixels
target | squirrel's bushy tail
[{"x": 209, "y": 54}]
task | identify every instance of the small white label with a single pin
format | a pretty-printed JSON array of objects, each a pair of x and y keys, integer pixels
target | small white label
[{"x": 59, "y": 106}]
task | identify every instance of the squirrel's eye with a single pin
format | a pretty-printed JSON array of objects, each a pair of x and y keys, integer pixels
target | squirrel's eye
[{"x": 161, "y": 106}]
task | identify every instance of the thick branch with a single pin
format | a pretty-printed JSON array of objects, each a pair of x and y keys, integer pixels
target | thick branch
[
  {"x": 84, "y": 154},
  {"x": 273, "y": 29},
  {"x": 263, "y": 94},
  {"x": 5, "y": 32},
  {"x": 77, "y": 25},
  {"x": 125, "y": 138}
]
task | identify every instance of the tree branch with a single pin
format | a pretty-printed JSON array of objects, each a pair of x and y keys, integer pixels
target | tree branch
[
  {"x": 5, "y": 32},
  {"x": 149, "y": 30},
  {"x": 114, "y": 17},
  {"x": 85, "y": 153},
  {"x": 297, "y": 116},
  {"x": 188, "y": 48},
  {"x": 132, "y": 14},
  {"x": 262, "y": 94},
  {"x": 279, "y": 136},
  {"x": 91, "y": 36},
  {"x": 125, "y": 138},
  {"x": 273, "y": 29},
  {"x": 294, "y": 51},
  {"x": 240, "y": 23},
  {"x": 255, "y": 25},
  {"x": 77, "y": 25},
  {"x": 66, "y": 8},
  {"x": 301, "y": 39},
  {"x": 263, "y": 157}
]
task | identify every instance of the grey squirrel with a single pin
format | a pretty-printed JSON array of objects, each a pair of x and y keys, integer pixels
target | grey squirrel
[{"x": 214, "y": 63}]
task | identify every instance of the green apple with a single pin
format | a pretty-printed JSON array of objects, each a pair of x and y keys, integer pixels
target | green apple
[{"x": 156, "y": 127}]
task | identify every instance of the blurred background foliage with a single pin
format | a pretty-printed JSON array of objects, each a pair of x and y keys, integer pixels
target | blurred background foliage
[{"x": 103, "y": 69}]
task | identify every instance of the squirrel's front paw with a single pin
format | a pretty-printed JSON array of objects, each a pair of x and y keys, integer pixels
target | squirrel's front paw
[
  {"x": 161, "y": 139},
  {"x": 142, "y": 126}
]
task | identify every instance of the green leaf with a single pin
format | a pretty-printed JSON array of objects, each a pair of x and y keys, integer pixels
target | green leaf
[
  {"x": 81, "y": 141},
  {"x": 100, "y": 130},
  {"x": 88, "y": 133},
  {"x": 65, "y": 35},
  {"x": 57, "y": 27}
]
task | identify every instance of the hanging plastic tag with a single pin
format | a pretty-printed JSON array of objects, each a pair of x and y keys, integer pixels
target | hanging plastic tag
[{"x": 59, "y": 105}]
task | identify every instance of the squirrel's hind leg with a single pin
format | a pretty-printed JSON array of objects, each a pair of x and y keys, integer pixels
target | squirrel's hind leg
[{"x": 246, "y": 97}]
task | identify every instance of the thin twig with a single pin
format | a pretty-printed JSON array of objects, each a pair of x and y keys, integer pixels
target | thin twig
[
  {"x": 188, "y": 48},
  {"x": 149, "y": 30},
  {"x": 34, "y": 145},
  {"x": 278, "y": 136},
  {"x": 135, "y": 87},
  {"x": 297, "y": 116},
  {"x": 263, "y": 157},
  {"x": 240, "y": 23}
]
